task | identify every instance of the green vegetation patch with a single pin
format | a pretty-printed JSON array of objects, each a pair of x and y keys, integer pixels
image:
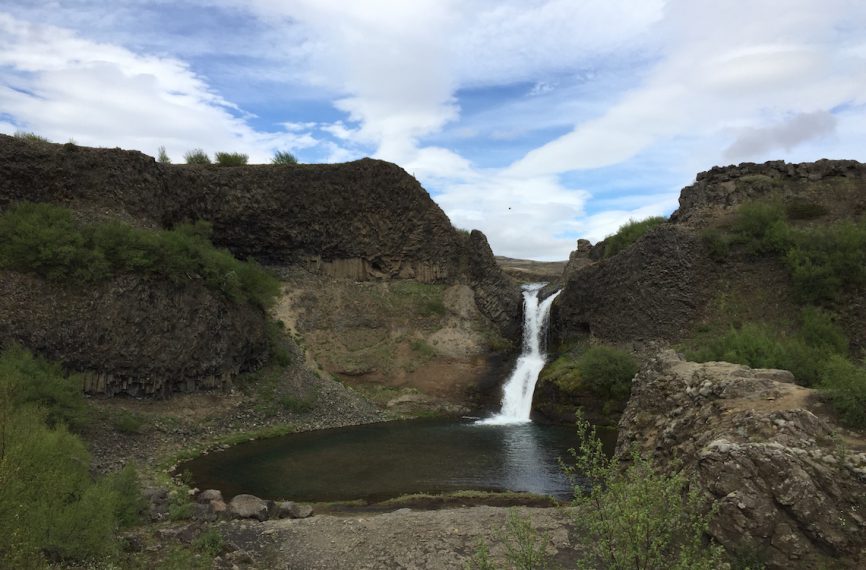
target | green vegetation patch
[
  {"x": 231, "y": 158},
  {"x": 422, "y": 299},
  {"x": 196, "y": 156},
  {"x": 629, "y": 233},
  {"x": 760, "y": 345},
  {"x": 51, "y": 509},
  {"x": 284, "y": 158},
  {"x": 46, "y": 240},
  {"x": 604, "y": 371}
]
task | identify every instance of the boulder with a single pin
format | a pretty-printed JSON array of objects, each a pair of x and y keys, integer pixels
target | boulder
[
  {"x": 787, "y": 491},
  {"x": 209, "y": 496},
  {"x": 248, "y": 507},
  {"x": 292, "y": 510}
]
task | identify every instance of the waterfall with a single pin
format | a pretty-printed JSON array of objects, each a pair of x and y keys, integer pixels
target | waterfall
[{"x": 518, "y": 389}]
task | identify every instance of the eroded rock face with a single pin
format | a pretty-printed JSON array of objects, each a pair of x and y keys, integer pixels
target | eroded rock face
[
  {"x": 496, "y": 294},
  {"x": 839, "y": 185},
  {"x": 134, "y": 335},
  {"x": 652, "y": 290},
  {"x": 787, "y": 490}
]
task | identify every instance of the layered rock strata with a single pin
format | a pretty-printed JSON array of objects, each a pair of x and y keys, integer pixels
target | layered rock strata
[{"x": 790, "y": 489}]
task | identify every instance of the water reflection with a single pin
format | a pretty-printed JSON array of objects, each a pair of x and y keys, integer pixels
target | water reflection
[{"x": 386, "y": 460}]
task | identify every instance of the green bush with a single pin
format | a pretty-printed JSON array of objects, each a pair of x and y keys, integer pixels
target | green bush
[
  {"x": 804, "y": 354},
  {"x": 629, "y": 233},
  {"x": 844, "y": 385},
  {"x": 284, "y": 158},
  {"x": 604, "y": 371},
  {"x": 162, "y": 157},
  {"x": 826, "y": 261},
  {"x": 717, "y": 244},
  {"x": 31, "y": 137},
  {"x": 231, "y": 158},
  {"x": 126, "y": 422},
  {"x": 634, "y": 517},
  {"x": 26, "y": 380},
  {"x": 44, "y": 239},
  {"x": 196, "y": 156},
  {"x": 761, "y": 228},
  {"x": 607, "y": 372}
]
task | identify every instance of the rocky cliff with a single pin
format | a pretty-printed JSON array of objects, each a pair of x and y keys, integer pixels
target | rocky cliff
[
  {"x": 659, "y": 286},
  {"x": 134, "y": 336},
  {"x": 790, "y": 485},
  {"x": 363, "y": 220},
  {"x": 652, "y": 290},
  {"x": 838, "y": 185}
]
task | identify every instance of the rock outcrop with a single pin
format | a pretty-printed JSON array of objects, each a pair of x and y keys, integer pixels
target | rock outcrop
[
  {"x": 839, "y": 185},
  {"x": 134, "y": 335},
  {"x": 790, "y": 490},
  {"x": 651, "y": 290},
  {"x": 363, "y": 220}
]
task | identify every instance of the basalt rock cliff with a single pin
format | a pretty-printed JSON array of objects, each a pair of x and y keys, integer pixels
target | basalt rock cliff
[
  {"x": 790, "y": 491},
  {"x": 361, "y": 220},
  {"x": 660, "y": 286}
]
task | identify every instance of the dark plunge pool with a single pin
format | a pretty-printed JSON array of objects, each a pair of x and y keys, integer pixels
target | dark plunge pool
[{"x": 385, "y": 460}]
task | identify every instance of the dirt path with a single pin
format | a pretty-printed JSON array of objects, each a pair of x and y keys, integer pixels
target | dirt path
[{"x": 403, "y": 539}]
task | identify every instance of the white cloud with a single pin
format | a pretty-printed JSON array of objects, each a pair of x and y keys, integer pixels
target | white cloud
[
  {"x": 61, "y": 85},
  {"x": 795, "y": 130},
  {"x": 720, "y": 69}
]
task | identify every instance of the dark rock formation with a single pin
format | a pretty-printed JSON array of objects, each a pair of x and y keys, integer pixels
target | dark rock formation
[
  {"x": 651, "y": 290},
  {"x": 362, "y": 220},
  {"x": 840, "y": 185},
  {"x": 133, "y": 335},
  {"x": 496, "y": 294},
  {"x": 787, "y": 491}
]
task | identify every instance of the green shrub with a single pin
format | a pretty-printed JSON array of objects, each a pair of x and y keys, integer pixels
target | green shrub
[
  {"x": 44, "y": 239},
  {"x": 629, "y": 233},
  {"x": 31, "y": 137},
  {"x": 26, "y": 380},
  {"x": 126, "y": 422},
  {"x": 761, "y": 228},
  {"x": 231, "y": 158},
  {"x": 844, "y": 385},
  {"x": 284, "y": 158},
  {"x": 196, "y": 156},
  {"x": 826, "y": 261},
  {"x": 162, "y": 157},
  {"x": 209, "y": 542},
  {"x": 760, "y": 346},
  {"x": 717, "y": 244},
  {"x": 607, "y": 372},
  {"x": 634, "y": 517},
  {"x": 604, "y": 371}
]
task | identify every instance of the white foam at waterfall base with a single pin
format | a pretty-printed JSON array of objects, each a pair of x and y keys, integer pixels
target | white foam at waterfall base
[{"x": 520, "y": 386}]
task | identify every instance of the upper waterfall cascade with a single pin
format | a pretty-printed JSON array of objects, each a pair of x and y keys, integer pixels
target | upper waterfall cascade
[{"x": 520, "y": 386}]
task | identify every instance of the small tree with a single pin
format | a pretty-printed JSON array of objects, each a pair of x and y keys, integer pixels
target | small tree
[
  {"x": 231, "y": 158},
  {"x": 633, "y": 517},
  {"x": 196, "y": 156},
  {"x": 284, "y": 157},
  {"x": 163, "y": 158}
]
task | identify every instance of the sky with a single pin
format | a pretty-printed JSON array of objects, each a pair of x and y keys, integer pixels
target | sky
[{"x": 536, "y": 121}]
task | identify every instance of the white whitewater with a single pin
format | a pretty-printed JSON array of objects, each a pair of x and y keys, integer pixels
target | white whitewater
[{"x": 518, "y": 389}]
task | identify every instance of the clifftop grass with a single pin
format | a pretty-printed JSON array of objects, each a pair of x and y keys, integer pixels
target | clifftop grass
[
  {"x": 46, "y": 240},
  {"x": 629, "y": 233}
]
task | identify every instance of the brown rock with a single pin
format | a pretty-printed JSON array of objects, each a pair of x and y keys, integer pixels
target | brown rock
[{"x": 748, "y": 438}]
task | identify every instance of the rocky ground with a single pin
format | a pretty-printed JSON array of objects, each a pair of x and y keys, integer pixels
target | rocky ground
[
  {"x": 403, "y": 539},
  {"x": 529, "y": 270},
  {"x": 197, "y": 421}
]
